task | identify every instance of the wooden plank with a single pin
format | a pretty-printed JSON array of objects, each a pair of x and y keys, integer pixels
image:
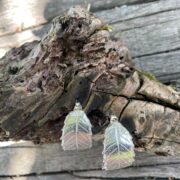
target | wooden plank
[
  {"x": 61, "y": 176},
  {"x": 50, "y": 158},
  {"x": 46, "y": 158},
  {"x": 19, "y": 14},
  {"x": 19, "y": 38},
  {"x": 168, "y": 72},
  {"x": 126, "y": 13},
  {"x": 155, "y": 172},
  {"x": 147, "y": 28},
  {"x": 130, "y": 12},
  {"x": 150, "y": 39}
]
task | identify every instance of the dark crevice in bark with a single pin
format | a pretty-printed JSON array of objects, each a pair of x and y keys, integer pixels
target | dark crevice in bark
[
  {"x": 51, "y": 107},
  {"x": 160, "y": 102},
  {"x": 118, "y": 95},
  {"x": 145, "y": 99},
  {"x": 124, "y": 108}
]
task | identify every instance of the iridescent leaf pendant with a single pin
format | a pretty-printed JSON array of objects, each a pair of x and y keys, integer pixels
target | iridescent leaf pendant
[
  {"x": 76, "y": 132},
  {"x": 118, "y": 146}
]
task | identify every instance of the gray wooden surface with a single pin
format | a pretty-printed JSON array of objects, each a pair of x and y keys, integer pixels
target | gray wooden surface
[
  {"x": 50, "y": 161},
  {"x": 150, "y": 29},
  {"x": 14, "y": 14}
]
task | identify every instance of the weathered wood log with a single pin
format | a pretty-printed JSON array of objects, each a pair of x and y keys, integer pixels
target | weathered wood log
[{"x": 77, "y": 60}]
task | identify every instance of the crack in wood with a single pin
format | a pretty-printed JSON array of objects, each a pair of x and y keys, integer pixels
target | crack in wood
[
  {"x": 124, "y": 108},
  {"x": 157, "y": 53},
  {"x": 142, "y": 16},
  {"x": 145, "y": 99},
  {"x": 72, "y": 172}
]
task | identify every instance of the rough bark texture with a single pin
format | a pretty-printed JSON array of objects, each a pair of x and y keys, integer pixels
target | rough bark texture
[{"x": 77, "y": 60}]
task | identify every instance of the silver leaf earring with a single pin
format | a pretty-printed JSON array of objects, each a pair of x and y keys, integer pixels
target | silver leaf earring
[
  {"x": 76, "y": 132},
  {"x": 118, "y": 146}
]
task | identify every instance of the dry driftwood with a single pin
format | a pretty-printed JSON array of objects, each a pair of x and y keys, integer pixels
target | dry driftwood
[{"x": 77, "y": 60}]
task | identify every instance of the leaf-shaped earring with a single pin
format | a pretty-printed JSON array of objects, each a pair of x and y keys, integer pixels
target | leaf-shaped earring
[
  {"x": 76, "y": 133},
  {"x": 118, "y": 146}
]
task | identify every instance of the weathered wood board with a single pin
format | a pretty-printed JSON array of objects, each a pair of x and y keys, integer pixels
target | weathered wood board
[
  {"x": 50, "y": 161},
  {"x": 16, "y": 15},
  {"x": 58, "y": 176},
  {"x": 151, "y": 30}
]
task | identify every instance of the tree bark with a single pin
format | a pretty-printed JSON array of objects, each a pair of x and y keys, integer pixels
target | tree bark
[{"x": 77, "y": 60}]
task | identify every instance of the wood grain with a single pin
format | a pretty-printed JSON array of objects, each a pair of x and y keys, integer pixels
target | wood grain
[
  {"x": 160, "y": 171},
  {"x": 166, "y": 66},
  {"x": 56, "y": 176},
  {"x": 50, "y": 158},
  {"x": 19, "y": 14}
]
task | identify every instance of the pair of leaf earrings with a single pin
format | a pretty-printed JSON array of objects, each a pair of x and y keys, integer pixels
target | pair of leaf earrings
[{"x": 118, "y": 145}]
